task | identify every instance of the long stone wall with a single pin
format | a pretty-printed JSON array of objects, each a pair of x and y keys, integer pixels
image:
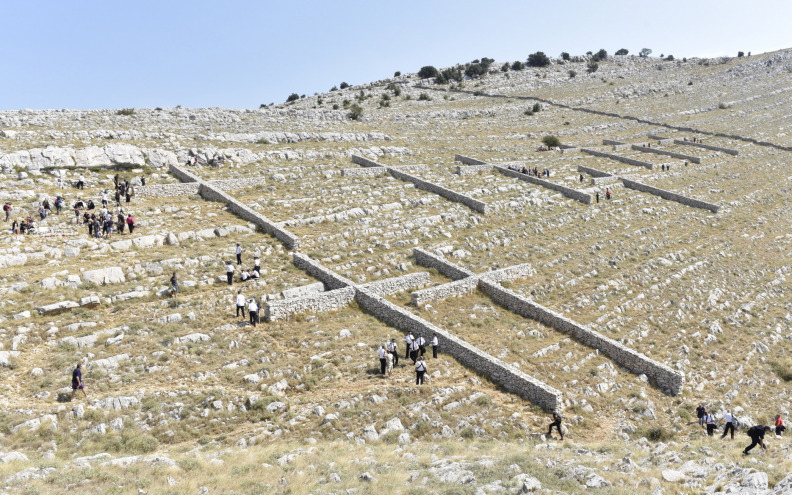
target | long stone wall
[
  {"x": 331, "y": 279},
  {"x": 321, "y": 302},
  {"x": 398, "y": 284},
  {"x": 236, "y": 184},
  {"x": 471, "y": 169},
  {"x": 618, "y": 158},
  {"x": 363, "y": 172},
  {"x": 593, "y": 172},
  {"x": 438, "y": 293},
  {"x": 710, "y": 147},
  {"x": 514, "y": 272},
  {"x": 468, "y": 160},
  {"x": 617, "y": 145},
  {"x": 507, "y": 376},
  {"x": 695, "y": 203},
  {"x": 681, "y": 156},
  {"x": 566, "y": 191},
  {"x": 443, "y": 266},
  {"x": 183, "y": 174},
  {"x": 473, "y": 204},
  {"x": 662, "y": 375}
]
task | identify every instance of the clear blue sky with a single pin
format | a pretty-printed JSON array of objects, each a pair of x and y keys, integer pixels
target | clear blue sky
[{"x": 226, "y": 53}]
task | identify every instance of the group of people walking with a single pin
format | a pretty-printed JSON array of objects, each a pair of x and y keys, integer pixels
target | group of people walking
[
  {"x": 756, "y": 433},
  {"x": 528, "y": 171},
  {"x": 415, "y": 348},
  {"x": 253, "y": 306}
]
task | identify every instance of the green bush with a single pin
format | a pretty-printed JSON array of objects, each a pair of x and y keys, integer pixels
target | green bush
[
  {"x": 600, "y": 56},
  {"x": 427, "y": 71},
  {"x": 565, "y": 56},
  {"x": 572, "y": 74},
  {"x": 292, "y": 97},
  {"x": 126, "y": 111},
  {"x": 783, "y": 370},
  {"x": 551, "y": 141},
  {"x": 505, "y": 67},
  {"x": 343, "y": 85},
  {"x": 538, "y": 59},
  {"x": 622, "y": 51},
  {"x": 645, "y": 52},
  {"x": 355, "y": 112},
  {"x": 740, "y": 54},
  {"x": 517, "y": 65},
  {"x": 424, "y": 97},
  {"x": 592, "y": 67},
  {"x": 397, "y": 74},
  {"x": 656, "y": 434},
  {"x": 670, "y": 58},
  {"x": 537, "y": 107},
  {"x": 475, "y": 70},
  {"x": 335, "y": 106}
]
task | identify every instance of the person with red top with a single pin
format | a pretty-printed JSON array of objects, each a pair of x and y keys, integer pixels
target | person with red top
[{"x": 779, "y": 425}]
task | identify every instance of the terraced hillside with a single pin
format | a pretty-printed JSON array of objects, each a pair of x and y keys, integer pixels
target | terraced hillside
[{"x": 624, "y": 313}]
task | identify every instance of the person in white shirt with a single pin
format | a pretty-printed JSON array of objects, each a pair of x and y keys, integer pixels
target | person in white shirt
[
  {"x": 435, "y": 345},
  {"x": 253, "y": 312},
  {"x": 414, "y": 351},
  {"x": 81, "y": 182},
  {"x": 421, "y": 344},
  {"x": 255, "y": 274},
  {"x": 104, "y": 198},
  {"x": 240, "y": 303},
  {"x": 730, "y": 420},
  {"x": 239, "y": 254},
  {"x": 711, "y": 424},
  {"x": 245, "y": 276},
  {"x": 408, "y": 339},
  {"x": 229, "y": 272},
  {"x": 256, "y": 264},
  {"x": 393, "y": 352},
  {"x": 420, "y": 370},
  {"x": 383, "y": 361}
]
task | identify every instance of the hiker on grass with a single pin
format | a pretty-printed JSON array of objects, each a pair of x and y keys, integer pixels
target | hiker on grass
[
  {"x": 130, "y": 223},
  {"x": 7, "y": 210},
  {"x": 389, "y": 364},
  {"x": 701, "y": 414},
  {"x": 239, "y": 254},
  {"x": 393, "y": 352},
  {"x": 240, "y": 303},
  {"x": 779, "y": 425},
  {"x": 435, "y": 345},
  {"x": 729, "y": 426},
  {"x": 383, "y": 362},
  {"x": 557, "y": 423},
  {"x": 230, "y": 272},
  {"x": 421, "y": 345},
  {"x": 174, "y": 283},
  {"x": 420, "y": 370},
  {"x": 408, "y": 339},
  {"x": 757, "y": 434},
  {"x": 253, "y": 312},
  {"x": 414, "y": 348},
  {"x": 77, "y": 383},
  {"x": 711, "y": 424}
]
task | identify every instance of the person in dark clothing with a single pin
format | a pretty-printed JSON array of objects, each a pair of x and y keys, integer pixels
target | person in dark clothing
[
  {"x": 557, "y": 423},
  {"x": 597, "y": 196},
  {"x": 174, "y": 282},
  {"x": 381, "y": 352},
  {"x": 77, "y": 383},
  {"x": 729, "y": 426},
  {"x": 757, "y": 434},
  {"x": 120, "y": 223},
  {"x": 701, "y": 413}
]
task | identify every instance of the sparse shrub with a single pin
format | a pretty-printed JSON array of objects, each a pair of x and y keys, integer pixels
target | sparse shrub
[
  {"x": 670, "y": 58},
  {"x": 141, "y": 444},
  {"x": 475, "y": 70},
  {"x": 551, "y": 141},
  {"x": 528, "y": 112},
  {"x": 427, "y": 71},
  {"x": 656, "y": 434},
  {"x": 537, "y": 107},
  {"x": 538, "y": 59},
  {"x": 343, "y": 85},
  {"x": 517, "y": 65},
  {"x": 723, "y": 106},
  {"x": 622, "y": 51},
  {"x": 126, "y": 111},
  {"x": 334, "y": 88},
  {"x": 346, "y": 103},
  {"x": 565, "y": 56},
  {"x": 292, "y": 97},
  {"x": 572, "y": 74},
  {"x": 592, "y": 67},
  {"x": 424, "y": 97},
  {"x": 505, "y": 67},
  {"x": 397, "y": 74},
  {"x": 478, "y": 92},
  {"x": 740, "y": 54},
  {"x": 355, "y": 112},
  {"x": 645, "y": 52},
  {"x": 483, "y": 401},
  {"x": 690, "y": 83},
  {"x": 467, "y": 433},
  {"x": 335, "y": 106},
  {"x": 783, "y": 370}
]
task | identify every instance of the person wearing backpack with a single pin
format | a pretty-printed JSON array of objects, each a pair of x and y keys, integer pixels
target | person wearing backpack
[
  {"x": 757, "y": 434},
  {"x": 557, "y": 419},
  {"x": 420, "y": 370}
]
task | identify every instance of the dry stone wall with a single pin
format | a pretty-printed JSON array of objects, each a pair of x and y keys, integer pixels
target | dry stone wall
[
  {"x": 710, "y": 147},
  {"x": 695, "y": 203},
  {"x": 443, "y": 266},
  {"x": 450, "y": 195},
  {"x": 593, "y": 172},
  {"x": 324, "y": 301},
  {"x": 167, "y": 190},
  {"x": 662, "y": 375},
  {"x": 566, "y": 191},
  {"x": 438, "y": 293},
  {"x": 499, "y": 372},
  {"x": 618, "y": 158},
  {"x": 398, "y": 284},
  {"x": 681, "y": 156}
]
